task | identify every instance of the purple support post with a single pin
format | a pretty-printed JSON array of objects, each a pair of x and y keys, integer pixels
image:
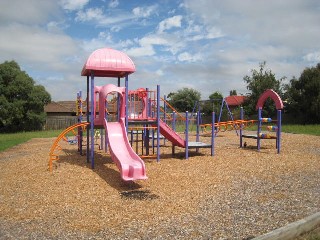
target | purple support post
[
  {"x": 241, "y": 126},
  {"x": 164, "y": 114},
  {"x": 118, "y": 101},
  {"x": 92, "y": 121},
  {"x": 174, "y": 121},
  {"x": 79, "y": 102},
  {"x": 105, "y": 131},
  {"x": 259, "y": 128},
  {"x": 212, "y": 134},
  {"x": 148, "y": 106},
  {"x": 187, "y": 135},
  {"x": 126, "y": 100},
  {"x": 88, "y": 120},
  {"x": 279, "y": 119},
  {"x": 173, "y": 128},
  {"x": 158, "y": 123},
  {"x": 197, "y": 129}
]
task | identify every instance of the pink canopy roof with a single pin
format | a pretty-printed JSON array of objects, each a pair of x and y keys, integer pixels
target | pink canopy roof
[{"x": 107, "y": 62}]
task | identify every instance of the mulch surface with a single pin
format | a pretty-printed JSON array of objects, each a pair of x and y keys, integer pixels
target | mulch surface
[{"x": 237, "y": 194}]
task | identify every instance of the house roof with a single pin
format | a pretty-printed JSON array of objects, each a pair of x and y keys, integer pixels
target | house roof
[
  {"x": 235, "y": 100},
  {"x": 61, "y": 106}
]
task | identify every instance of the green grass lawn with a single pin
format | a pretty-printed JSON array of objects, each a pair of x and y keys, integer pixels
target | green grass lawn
[
  {"x": 12, "y": 139},
  {"x": 8, "y": 140},
  {"x": 302, "y": 129}
]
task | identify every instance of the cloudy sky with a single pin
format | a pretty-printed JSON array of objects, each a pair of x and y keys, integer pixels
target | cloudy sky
[{"x": 208, "y": 45}]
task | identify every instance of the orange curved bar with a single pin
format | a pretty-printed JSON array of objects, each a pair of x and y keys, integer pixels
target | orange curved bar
[
  {"x": 55, "y": 145},
  {"x": 182, "y": 118}
]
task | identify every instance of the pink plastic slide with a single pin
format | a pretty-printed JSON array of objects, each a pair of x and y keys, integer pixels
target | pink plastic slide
[
  {"x": 171, "y": 135},
  {"x": 128, "y": 162}
]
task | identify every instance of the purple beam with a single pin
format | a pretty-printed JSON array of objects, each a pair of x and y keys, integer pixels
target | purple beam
[
  {"x": 212, "y": 134},
  {"x": 259, "y": 128},
  {"x": 241, "y": 126},
  {"x": 158, "y": 123},
  {"x": 92, "y": 121},
  {"x": 187, "y": 135}
]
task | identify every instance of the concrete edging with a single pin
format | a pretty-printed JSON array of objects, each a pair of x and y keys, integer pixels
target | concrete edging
[{"x": 293, "y": 230}]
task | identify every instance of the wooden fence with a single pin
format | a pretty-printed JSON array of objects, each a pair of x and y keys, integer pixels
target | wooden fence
[{"x": 60, "y": 122}]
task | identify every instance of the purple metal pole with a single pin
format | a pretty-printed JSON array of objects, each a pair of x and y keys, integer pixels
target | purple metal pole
[
  {"x": 197, "y": 129},
  {"x": 241, "y": 126},
  {"x": 187, "y": 135},
  {"x": 259, "y": 128},
  {"x": 279, "y": 131},
  {"x": 126, "y": 100},
  {"x": 105, "y": 131},
  {"x": 92, "y": 121},
  {"x": 88, "y": 120},
  {"x": 173, "y": 128},
  {"x": 148, "y": 105},
  {"x": 158, "y": 123},
  {"x": 164, "y": 114},
  {"x": 118, "y": 102},
  {"x": 212, "y": 134},
  {"x": 174, "y": 121}
]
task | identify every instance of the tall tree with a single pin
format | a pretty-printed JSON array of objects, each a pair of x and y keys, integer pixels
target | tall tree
[
  {"x": 233, "y": 93},
  {"x": 184, "y": 99},
  {"x": 213, "y": 104},
  {"x": 303, "y": 96},
  {"x": 257, "y": 83},
  {"x": 21, "y": 101}
]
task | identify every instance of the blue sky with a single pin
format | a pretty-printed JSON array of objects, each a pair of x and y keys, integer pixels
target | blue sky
[{"x": 208, "y": 45}]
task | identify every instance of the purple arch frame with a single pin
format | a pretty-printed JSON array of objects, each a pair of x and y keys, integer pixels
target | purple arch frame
[{"x": 269, "y": 93}]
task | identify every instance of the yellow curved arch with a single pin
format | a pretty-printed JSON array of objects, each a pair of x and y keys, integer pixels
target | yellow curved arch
[{"x": 55, "y": 146}]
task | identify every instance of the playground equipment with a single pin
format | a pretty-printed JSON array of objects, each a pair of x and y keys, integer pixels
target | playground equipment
[
  {"x": 269, "y": 93},
  {"x": 242, "y": 124},
  {"x": 141, "y": 109},
  {"x": 53, "y": 154},
  {"x": 107, "y": 62}
]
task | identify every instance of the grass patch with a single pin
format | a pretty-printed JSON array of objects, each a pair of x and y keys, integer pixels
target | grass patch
[
  {"x": 11, "y": 139},
  {"x": 294, "y": 128},
  {"x": 8, "y": 140},
  {"x": 302, "y": 129}
]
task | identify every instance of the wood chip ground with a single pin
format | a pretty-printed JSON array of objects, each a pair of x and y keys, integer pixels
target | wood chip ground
[{"x": 237, "y": 194}]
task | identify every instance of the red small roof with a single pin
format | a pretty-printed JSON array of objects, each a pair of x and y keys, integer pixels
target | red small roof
[
  {"x": 235, "y": 100},
  {"x": 107, "y": 62}
]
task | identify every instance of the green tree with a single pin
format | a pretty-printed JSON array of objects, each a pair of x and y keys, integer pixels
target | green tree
[
  {"x": 184, "y": 99},
  {"x": 233, "y": 93},
  {"x": 21, "y": 101},
  {"x": 303, "y": 96},
  {"x": 257, "y": 83},
  {"x": 213, "y": 104}
]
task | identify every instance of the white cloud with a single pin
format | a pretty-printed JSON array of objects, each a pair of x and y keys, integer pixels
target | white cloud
[
  {"x": 142, "y": 51},
  {"x": 113, "y": 3},
  {"x": 90, "y": 14},
  {"x": 143, "y": 12},
  {"x": 27, "y": 12},
  {"x": 187, "y": 57},
  {"x": 312, "y": 57},
  {"x": 36, "y": 46},
  {"x": 169, "y": 23},
  {"x": 73, "y": 5}
]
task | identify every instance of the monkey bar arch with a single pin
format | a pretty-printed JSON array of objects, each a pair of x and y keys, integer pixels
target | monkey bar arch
[{"x": 269, "y": 93}]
